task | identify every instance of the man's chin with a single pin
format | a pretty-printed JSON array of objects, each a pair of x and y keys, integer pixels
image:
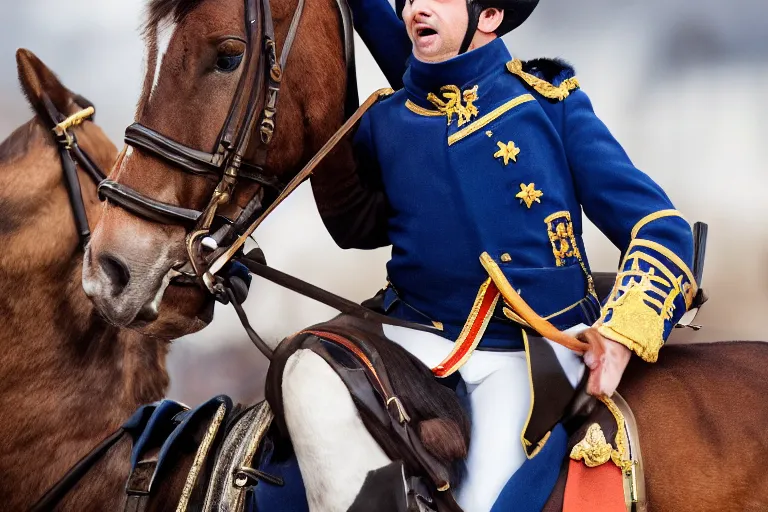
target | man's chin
[{"x": 432, "y": 53}]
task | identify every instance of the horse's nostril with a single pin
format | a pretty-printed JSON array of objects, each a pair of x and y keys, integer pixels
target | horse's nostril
[{"x": 116, "y": 271}]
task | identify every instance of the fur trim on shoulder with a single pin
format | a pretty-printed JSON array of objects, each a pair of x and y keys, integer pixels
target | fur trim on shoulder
[
  {"x": 553, "y": 79},
  {"x": 554, "y": 71}
]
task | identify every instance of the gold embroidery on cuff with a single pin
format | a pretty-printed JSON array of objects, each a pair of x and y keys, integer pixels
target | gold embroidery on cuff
[
  {"x": 635, "y": 320},
  {"x": 671, "y": 256},
  {"x": 654, "y": 216}
]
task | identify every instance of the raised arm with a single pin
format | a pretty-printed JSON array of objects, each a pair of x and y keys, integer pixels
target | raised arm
[{"x": 385, "y": 37}]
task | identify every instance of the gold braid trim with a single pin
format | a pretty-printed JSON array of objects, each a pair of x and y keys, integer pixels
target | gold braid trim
[
  {"x": 418, "y": 109},
  {"x": 200, "y": 458},
  {"x": 652, "y": 217},
  {"x": 619, "y": 456},
  {"x": 594, "y": 450},
  {"x": 541, "y": 86},
  {"x": 648, "y": 353}
]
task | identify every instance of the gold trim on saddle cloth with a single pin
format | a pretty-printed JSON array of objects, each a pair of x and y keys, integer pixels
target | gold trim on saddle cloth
[
  {"x": 595, "y": 451},
  {"x": 472, "y": 332},
  {"x": 200, "y": 458}
]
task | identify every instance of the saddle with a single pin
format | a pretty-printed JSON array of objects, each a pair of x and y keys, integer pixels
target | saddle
[
  {"x": 417, "y": 481},
  {"x": 231, "y": 458}
]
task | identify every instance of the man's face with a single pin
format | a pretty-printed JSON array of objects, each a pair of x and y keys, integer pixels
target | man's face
[{"x": 436, "y": 27}]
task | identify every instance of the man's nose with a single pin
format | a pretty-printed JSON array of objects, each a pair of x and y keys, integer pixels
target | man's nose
[{"x": 419, "y": 7}]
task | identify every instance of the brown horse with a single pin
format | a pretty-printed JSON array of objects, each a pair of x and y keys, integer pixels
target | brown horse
[
  {"x": 67, "y": 377},
  {"x": 700, "y": 410},
  {"x": 193, "y": 44}
]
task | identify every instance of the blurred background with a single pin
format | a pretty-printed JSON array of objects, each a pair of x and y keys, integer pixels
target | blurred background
[{"x": 681, "y": 83}]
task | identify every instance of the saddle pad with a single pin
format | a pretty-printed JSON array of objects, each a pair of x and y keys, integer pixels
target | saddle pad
[{"x": 598, "y": 489}]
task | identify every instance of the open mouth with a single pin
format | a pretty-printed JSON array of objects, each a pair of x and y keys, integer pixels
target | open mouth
[{"x": 426, "y": 32}]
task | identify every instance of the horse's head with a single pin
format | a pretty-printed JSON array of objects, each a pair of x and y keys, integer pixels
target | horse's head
[
  {"x": 32, "y": 189},
  {"x": 205, "y": 65}
]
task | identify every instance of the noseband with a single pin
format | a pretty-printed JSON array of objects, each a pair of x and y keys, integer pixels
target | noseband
[{"x": 257, "y": 89}]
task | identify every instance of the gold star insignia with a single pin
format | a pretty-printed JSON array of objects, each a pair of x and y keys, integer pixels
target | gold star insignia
[
  {"x": 529, "y": 194},
  {"x": 507, "y": 151}
]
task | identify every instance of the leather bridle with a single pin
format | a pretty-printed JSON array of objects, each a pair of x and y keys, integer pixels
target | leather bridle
[
  {"x": 71, "y": 154},
  {"x": 257, "y": 91}
]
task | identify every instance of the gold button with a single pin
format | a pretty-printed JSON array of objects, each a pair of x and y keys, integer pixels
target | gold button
[{"x": 506, "y": 258}]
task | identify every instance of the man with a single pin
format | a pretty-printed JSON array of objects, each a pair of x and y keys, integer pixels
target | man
[{"x": 482, "y": 154}]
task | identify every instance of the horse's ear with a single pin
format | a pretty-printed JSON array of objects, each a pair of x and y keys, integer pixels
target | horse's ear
[{"x": 38, "y": 82}]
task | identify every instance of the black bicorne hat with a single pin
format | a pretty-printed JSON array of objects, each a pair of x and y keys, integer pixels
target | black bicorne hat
[{"x": 515, "y": 13}]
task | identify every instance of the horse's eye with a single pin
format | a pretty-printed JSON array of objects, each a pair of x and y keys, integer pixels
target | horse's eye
[{"x": 228, "y": 63}]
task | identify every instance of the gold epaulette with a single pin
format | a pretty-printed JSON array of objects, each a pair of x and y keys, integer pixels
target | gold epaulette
[
  {"x": 540, "y": 85},
  {"x": 383, "y": 93}
]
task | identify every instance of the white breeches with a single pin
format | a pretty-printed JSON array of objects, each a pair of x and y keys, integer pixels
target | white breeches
[
  {"x": 335, "y": 451},
  {"x": 500, "y": 396}
]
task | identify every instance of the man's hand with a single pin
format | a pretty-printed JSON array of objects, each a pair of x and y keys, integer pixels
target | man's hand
[{"x": 606, "y": 360}]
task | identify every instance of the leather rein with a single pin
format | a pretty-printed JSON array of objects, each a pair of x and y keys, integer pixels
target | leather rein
[
  {"x": 207, "y": 249},
  {"x": 257, "y": 89}
]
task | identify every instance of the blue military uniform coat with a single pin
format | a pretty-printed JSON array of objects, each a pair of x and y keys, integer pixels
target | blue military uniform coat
[{"x": 483, "y": 153}]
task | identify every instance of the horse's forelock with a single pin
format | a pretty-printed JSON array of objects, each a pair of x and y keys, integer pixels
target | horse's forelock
[{"x": 159, "y": 11}]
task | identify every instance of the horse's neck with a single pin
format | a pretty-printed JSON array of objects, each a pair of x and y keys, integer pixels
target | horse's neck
[{"x": 67, "y": 378}]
